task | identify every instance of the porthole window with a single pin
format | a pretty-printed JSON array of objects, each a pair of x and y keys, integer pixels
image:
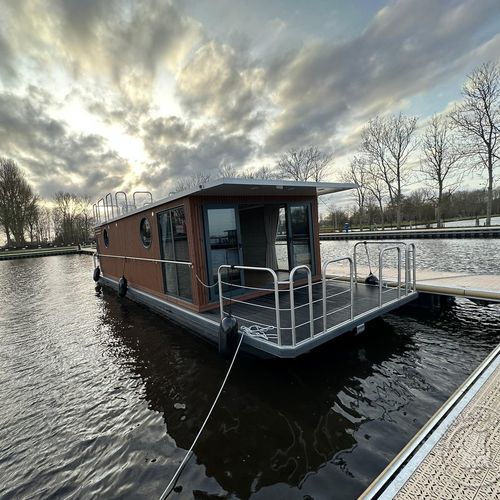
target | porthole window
[
  {"x": 105, "y": 237},
  {"x": 145, "y": 230}
]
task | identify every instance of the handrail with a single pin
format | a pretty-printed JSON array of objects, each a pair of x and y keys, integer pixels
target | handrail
[
  {"x": 164, "y": 261},
  {"x": 351, "y": 289},
  {"x": 292, "y": 301},
  {"x": 107, "y": 206},
  {"x": 142, "y": 192},
  {"x": 276, "y": 292},
  {"x": 117, "y": 204},
  {"x": 382, "y": 251},
  {"x": 379, "y": 243}
]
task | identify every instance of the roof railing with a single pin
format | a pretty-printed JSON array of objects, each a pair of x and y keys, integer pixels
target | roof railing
[{"x": 115, "y": 205}]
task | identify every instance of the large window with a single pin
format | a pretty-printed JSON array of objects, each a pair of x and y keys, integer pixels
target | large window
[
  {"x": 174, "y": 246},
  {"x": 300, "y": 235}
]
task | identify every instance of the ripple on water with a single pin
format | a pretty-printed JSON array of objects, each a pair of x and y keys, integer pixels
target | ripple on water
[{"x": 94, "y": 388}]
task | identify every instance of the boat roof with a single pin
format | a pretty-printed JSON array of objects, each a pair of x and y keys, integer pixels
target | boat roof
[
  {"x": 249, "y": 187},
  {"x": 237, "y": 187}
]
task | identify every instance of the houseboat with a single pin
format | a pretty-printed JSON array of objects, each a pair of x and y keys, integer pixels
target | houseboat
[{"x": 246, "y": 249}]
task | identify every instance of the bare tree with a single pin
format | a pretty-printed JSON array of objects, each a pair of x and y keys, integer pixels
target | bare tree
[
  {"x": 440, "y": 160},
  {"x": 478, "y": 118},
  {"x": 44, "y": 224},
  {"x": 32, "y": 216},
  {"x": 388, "y": 143},
  {"x": 16, "y": 201},
  {"x": 308, "y": 164},
  {"x": 226, "y": 171},
  {"x": 71, "y": 216},
  {"x": 377, "y": 188},
  {"x": 264, "y": 172},
  {"x": 197, "y": 180},
  {"x": 357, "y": 173}
]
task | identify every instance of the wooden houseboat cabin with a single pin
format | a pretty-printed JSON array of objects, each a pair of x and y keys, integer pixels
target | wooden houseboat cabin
[{"x": 246, "y": 248}]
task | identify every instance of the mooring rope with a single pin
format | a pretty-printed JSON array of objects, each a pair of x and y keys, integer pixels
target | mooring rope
[
  {"x": 204, "y": 284},
  {"x": 189, "y": 453}
]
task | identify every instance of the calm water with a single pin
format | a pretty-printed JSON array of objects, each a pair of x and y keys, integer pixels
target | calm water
[{"x": 90, "y": 386}]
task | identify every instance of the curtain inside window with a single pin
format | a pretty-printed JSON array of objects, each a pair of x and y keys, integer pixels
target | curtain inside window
[{"x": 271, "y": 218}]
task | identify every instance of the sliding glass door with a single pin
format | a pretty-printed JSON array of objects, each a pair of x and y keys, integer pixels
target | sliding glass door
[
  {"x": 300, "y": 235},
  {"x": 223, "y": 245},
  {"x": 174, "y": 246}
]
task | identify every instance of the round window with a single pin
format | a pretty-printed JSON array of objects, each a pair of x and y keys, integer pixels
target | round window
[
  {"x": 145, "y": 232},
  {"x": 105, "y": 237}
]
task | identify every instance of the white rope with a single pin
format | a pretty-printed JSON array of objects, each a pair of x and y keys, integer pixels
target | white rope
[
  {"x": 258, "y": 331},
  {"x": 172, "y": 482},
  {"x": 204, "y": 284}
]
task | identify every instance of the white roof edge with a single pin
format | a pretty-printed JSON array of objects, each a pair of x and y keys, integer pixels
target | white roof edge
[{"x": 321, "y": 188}]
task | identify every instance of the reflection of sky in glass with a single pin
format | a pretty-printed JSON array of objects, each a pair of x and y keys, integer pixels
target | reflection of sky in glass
[{"x": 220, "y": 221}]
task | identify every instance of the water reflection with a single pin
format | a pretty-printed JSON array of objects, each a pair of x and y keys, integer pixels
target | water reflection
[
  {"x": 100, "y": 397},
  {"x": 277, "y": 421}
]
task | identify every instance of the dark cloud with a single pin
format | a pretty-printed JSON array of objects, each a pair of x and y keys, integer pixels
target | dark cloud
[
  {"x": 210, "y": 152},
  {"x": 56, "y": 158},
  {"x": 407, "y": 48}
]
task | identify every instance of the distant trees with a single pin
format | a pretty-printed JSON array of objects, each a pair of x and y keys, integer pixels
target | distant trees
[
  {"x": 306, "y": 164},
  {"x": 72, "y": 217},
  {"x": 441, "y": 159},
  {"x": 387, "y": 143},
  {"x": 478, "y": 119},
  {"x": 18, "y": 203},
  {"x": 358, "y": 174}
]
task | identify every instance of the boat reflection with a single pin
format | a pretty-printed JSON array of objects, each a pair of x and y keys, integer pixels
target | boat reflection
[{"x": 277, "y": 421}]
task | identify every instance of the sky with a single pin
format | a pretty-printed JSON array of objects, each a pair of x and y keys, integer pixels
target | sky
[{"x": 99, "y": 96}]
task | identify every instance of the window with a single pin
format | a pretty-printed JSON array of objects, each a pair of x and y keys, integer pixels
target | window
[
  {"x": 145, "y": 230},
  {"x": 174, "y": 246},
  {"x": 105, "y": 237}
]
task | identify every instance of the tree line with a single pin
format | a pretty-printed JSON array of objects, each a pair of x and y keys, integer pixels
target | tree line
[
  {"x": 392, "y": 157},
  {"x": 26, "y": 218}
]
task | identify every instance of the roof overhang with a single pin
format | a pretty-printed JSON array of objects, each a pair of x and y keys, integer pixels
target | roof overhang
[
  {"x": 262, "y": 187},
  {"x": 248, "y": 187}
]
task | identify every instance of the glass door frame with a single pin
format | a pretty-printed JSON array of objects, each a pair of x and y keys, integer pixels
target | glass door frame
[
  {"x": 214, "y": 291},
  {"x": 312, "y": 250}
]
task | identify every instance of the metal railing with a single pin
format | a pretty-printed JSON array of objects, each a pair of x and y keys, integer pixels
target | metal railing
[
  {"x": 325, "y": 299},
  {"x": 108, "y": 207},
  {"x": 410, "y": 269},
  {"x": 325, "y": 277}
]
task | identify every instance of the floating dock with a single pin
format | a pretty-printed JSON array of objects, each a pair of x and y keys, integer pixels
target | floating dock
[
  {"x": 29, "y": 253},
  {"x": 390, "y": 234},
  {"x": 457, "y": 453}
]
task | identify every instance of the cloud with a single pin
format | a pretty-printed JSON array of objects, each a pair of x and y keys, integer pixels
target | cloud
[
  {"x": 56, "y": 157},
  {"x": 407, "y": 48},
  {"x": 175, "y": 160},
  {"x": 220, "y": 85}
]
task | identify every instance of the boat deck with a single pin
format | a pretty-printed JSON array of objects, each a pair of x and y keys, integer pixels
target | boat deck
[
  {"x": 260, "y": 313},
  {"x": 457, "y": 454}
]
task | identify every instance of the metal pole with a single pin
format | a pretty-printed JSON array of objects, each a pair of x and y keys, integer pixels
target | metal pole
[
  {"x": 399, "y": 272},
  {"x": 221, "y": 300},
  {"x": 352, "y": 289},
  {"x": 277, "y": 307},
  {"x": 380, "y": 262},
  {"x": 292, "y": 309}
]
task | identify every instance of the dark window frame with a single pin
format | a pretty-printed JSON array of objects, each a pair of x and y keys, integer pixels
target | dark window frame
[
  {"x": 159, "y": 216},
  {"x": 141, "y": 235}
]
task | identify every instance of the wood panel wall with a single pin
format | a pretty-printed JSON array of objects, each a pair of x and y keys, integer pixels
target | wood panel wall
[{"x": 125, "y": 240}]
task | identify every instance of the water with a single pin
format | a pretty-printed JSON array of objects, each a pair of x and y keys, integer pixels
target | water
[{"x": 90, "y": 387}]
